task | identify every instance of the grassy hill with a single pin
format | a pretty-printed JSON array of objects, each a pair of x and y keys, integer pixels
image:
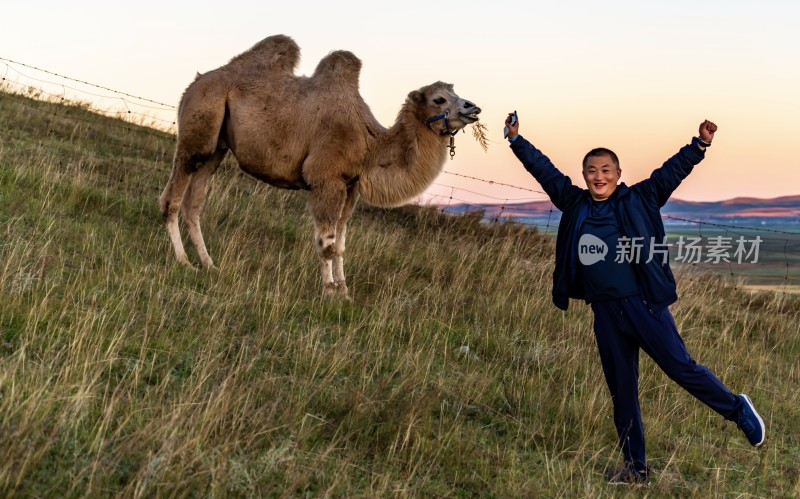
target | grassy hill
[{"x": 122, "y": 372}]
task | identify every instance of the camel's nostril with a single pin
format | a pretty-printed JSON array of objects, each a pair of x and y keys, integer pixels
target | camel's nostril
[{"x": 468, "y": 104}]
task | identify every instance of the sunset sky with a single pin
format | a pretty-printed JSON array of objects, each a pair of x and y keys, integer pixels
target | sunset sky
[{"x": 636, "y": 77}]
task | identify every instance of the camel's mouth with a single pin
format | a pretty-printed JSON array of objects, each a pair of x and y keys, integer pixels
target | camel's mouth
[{"x": 469, "y": 118}]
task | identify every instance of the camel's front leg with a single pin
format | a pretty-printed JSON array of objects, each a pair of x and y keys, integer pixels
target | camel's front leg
[
  {"x": 326, "y": 202},
  {"x": 322, "y": 234},
  {"x": 341, "y": 232}
]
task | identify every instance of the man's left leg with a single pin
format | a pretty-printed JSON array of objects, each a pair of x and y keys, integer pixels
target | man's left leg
[{"x": 619, "y": 357}]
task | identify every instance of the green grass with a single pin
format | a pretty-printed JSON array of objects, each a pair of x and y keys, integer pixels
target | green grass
[{"x": 124, "y": 373}]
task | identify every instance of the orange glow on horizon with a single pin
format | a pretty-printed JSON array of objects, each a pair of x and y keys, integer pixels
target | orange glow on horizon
[{"x": 635, "y": 77}]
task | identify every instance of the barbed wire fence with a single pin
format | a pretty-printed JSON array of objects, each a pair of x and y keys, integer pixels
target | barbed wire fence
[
  {"x": 47, "y": 85},
  {"x": 774, "y": 253}
]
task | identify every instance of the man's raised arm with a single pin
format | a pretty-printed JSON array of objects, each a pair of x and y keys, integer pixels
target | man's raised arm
[
  {"x": 557, "y": 185},
  {"x": 663, "y": 181}
]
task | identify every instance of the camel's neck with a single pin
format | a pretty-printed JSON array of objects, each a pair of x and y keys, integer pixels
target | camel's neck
[{"x": 403, "y": 162}]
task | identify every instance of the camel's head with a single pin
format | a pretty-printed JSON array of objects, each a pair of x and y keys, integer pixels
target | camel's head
[{"x": 443, "y": 110}]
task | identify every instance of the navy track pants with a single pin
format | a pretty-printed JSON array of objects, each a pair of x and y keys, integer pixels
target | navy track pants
[{"x": 621, "y": 327}]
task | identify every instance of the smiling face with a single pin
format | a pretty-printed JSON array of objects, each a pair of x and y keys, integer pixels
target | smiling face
[{"x": 601, "y": 174}]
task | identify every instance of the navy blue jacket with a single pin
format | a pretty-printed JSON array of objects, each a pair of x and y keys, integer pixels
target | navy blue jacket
[{"x": 637, "y": 209}]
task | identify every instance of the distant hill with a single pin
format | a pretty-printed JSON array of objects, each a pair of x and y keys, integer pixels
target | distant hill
[
  {"x": 785, "y": 209},
  {"x": 741, "y": 207}
]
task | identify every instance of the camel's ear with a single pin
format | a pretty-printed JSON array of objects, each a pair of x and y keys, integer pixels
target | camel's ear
[{"x": 417, "y": 97}]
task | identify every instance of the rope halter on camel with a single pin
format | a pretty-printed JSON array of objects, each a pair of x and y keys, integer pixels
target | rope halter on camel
[{"x": 447, "y": 131}]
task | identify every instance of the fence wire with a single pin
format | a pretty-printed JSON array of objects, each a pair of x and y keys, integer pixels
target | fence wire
[{"x": 55, "y": 87}]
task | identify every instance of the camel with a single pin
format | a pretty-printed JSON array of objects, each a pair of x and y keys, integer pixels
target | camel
[{"x": 312, "y": 133}]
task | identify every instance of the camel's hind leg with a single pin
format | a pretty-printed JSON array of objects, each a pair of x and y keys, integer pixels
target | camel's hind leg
[
  {"x": 200, "y": 119},
  {"x": 326, "y": 203},
  {"x": 341, "y": 232},
  {"x": 170, "y": 202},
  {"x": 192, "y": 204}
]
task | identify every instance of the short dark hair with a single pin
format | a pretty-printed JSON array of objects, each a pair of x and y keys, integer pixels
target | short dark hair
[{"x": 601, "y": 151}]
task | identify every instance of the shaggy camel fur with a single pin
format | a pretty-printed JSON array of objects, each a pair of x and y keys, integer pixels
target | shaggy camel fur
[{"x": 314, "y": 133}]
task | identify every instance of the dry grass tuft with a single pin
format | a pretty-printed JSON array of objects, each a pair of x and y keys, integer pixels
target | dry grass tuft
[{"x": 479, "y": 131}]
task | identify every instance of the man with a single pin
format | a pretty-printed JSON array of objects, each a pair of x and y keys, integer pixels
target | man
[{"x": 629, "y": 295}]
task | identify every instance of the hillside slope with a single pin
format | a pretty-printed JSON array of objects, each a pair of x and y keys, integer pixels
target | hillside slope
[{"x": 122, "y": 372}]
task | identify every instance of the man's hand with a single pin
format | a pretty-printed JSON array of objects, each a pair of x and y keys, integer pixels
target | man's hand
[
  {"x": 707, "y": 130},
  {"x": 513, "y": 130}
]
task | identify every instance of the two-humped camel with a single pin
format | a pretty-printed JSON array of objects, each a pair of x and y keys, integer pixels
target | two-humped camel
[{"x": 314, "y": 133}]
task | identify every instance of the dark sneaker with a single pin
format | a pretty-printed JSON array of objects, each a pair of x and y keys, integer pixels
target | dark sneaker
[
  {"x": 750, "y": 422},
  {"x": 628, "y": 475}
]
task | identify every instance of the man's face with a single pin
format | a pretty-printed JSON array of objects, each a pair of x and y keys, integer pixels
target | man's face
[{"x": 601, "y": 176}]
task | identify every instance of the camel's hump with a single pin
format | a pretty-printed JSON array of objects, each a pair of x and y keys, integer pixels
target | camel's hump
[
  {"x": 277, "y": 53},
  {"x": 339, "y": 64}
]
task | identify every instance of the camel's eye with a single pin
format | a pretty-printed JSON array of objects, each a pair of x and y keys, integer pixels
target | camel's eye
[{"x": 439, "y": 100}]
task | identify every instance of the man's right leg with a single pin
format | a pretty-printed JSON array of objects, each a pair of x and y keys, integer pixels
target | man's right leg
[
  {"x": 619, "y": 356},
  {"x": 659, "y": 338}
]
